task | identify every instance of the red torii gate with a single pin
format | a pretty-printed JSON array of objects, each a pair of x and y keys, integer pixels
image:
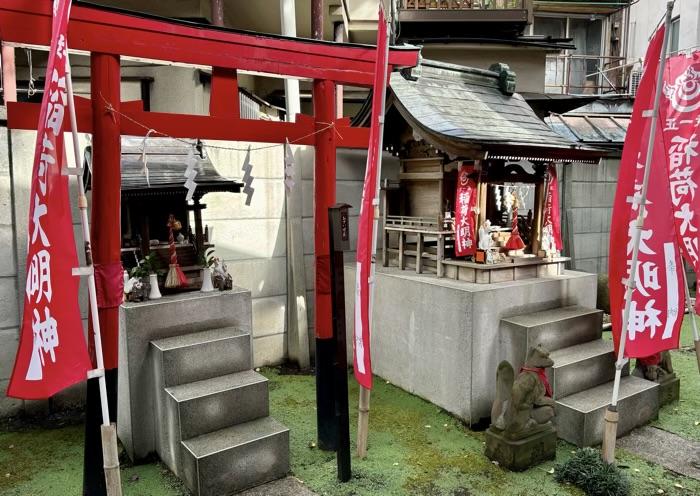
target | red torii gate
[{"x": 108, "y": 34}]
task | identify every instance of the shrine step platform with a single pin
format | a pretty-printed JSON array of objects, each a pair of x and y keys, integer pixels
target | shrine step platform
[
  {"x": 515, "y": 269},
  {"x": 580, "y": 417},
  {"x": 583, "y": 372},
  {"x": 190, "y": 396}
]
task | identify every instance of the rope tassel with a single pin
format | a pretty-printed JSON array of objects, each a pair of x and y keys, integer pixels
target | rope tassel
[{"x": 176, "y": 278}]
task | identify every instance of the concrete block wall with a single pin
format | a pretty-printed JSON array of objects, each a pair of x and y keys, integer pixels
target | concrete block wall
[
  {"x": 587, "y": 194},
  {"x": 253, "y": 239},
  {"x": 350, "y": 175}
]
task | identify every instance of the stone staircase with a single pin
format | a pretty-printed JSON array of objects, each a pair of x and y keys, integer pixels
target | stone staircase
[
  {"x": 210, "y": 410},
  {"x": 583, "y": 372}
]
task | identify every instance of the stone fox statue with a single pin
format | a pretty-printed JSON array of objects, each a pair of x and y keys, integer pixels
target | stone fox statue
[{"x": 523, "y": 404}]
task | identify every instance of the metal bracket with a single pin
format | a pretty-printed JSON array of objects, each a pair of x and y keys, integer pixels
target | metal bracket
[
  {"x": 72, "y": 171},
  {"x": 96, "y": 373},
  {"x": 83, "y": 271},
  {"x": 650, "y": 113}
]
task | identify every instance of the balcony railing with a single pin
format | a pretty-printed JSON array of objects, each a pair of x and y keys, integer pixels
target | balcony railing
[
  {"x": 464, "y": 4},
  {"x": 584, "y": 75}
]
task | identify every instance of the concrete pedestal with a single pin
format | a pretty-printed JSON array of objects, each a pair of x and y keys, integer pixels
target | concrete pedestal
[
  {"x": 442, "y": 339},
  {"x": 141, "y": 323},
  {"x": 669, "y": 389},
  {"x": 524, "y": 453}
]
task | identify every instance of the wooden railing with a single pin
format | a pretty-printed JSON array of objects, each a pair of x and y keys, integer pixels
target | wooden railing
[{"x": 463, "y": 4}]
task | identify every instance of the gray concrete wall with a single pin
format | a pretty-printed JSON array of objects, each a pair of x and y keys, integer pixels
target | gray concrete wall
[{"x": 587, "y": 194}]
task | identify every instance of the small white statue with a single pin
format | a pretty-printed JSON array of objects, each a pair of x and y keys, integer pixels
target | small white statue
[{"x": 485, "y": 236}]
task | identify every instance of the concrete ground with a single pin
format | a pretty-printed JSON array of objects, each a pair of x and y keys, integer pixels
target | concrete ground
[
  {"x": 289, "y": 486},
  {"x": 664, "y": 448}
]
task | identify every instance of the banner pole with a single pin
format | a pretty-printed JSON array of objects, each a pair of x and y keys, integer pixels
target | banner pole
[
  {"x": 691, "y": 314},
  {"x": 611, "y": 414},
  {"x": 109, "y": 436},
  {"x": 363, "y": 407}
]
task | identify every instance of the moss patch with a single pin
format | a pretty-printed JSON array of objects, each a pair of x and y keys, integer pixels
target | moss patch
[{"x": 42, "y": 462}]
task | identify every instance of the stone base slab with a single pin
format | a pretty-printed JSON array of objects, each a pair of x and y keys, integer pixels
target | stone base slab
[
  {"x": 669, "y": 390},
  {"x": 524, "y": 453}
]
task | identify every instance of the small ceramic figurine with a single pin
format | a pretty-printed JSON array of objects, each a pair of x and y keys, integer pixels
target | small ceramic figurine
[
  {"x": 485, "y": 236},
  {"x": 222, "y": 279}
]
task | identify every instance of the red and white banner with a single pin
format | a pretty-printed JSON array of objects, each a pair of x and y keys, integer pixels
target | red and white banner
[
  {"x": 679, "y": 115},
  {"x": 365, "y": 238},
  {"x": 465, "y": 214},
  {"x": 551, "y": 224},
  {"x": 52, "y": 353},
  {"x": 656, "y": 310}
]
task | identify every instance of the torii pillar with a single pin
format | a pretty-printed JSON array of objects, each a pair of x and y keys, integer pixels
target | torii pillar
[
  {"x": 105, "y": 79},
  {"x": 324, "y": 197}
]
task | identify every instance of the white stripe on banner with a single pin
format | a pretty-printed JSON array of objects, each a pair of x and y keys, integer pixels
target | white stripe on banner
[{"x": 670, "y": 254}]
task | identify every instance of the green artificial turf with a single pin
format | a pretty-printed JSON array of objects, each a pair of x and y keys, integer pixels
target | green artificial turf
[
  {"x": 683, "y": 417},
  {"x": 414, "y": 449},
  {"x": 417, "y": 449}
]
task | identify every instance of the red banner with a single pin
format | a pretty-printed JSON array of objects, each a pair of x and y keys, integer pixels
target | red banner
[
  {"x": 680, "y": 117},
  {"x": 465, "y": 214},
  {"x": 656, "y": 309},
  {"x": 551, "y": 224},
  {"x": 365, "y": 237},
  {"x": 52, "y": 353}
]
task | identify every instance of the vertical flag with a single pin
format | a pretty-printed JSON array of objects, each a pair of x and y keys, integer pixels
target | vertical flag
[
  {"x": 365, "y": 237},
  {"x": 465, "y": 215},
  {"x": 52, "y": 353},
  {"x": 551, "y": 224},
  {"x": 656, "y": 307},
  {"x": 679, "y": 115}
]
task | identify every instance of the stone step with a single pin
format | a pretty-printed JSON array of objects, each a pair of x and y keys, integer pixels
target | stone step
[
  {"x": 580, "y": 417},
  {"x": 554, "y": 329},
  {"x": 202, "y": 355},
  {"x": 231, "y": 460},
  {"x": 220, "y": 402},
  {"x": 191, "y": 410},
  {"x": 582, "y": 367}
]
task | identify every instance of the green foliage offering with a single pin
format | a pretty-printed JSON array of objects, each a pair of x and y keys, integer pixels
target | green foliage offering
[
  {"x": 587, "y": 471},
  {"x": 147, "y": 265},
  {"x": 208, "y": 259}
]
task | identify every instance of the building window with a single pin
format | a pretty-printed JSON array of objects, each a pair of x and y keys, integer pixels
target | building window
[
  {"x": 575, "y": 71},
  {"x": 675, "y": 28}
]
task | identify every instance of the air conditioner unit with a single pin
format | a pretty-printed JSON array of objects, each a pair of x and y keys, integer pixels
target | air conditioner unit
[{"x": 633, "y": 82}]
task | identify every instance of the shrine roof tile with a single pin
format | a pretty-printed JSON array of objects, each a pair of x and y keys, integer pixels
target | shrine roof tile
[{"x": 458, "y": 109}]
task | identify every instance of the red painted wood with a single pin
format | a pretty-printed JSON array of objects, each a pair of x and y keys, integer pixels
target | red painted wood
[
  {"x": 26, "y": 116},
  {"x": 95, "y": 30},
  {"x": 224, "y": 93},
  {"x": 106, "y": 191},
  {"x": 324, "y": 197}
]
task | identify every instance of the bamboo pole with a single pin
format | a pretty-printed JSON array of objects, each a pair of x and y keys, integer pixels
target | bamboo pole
[
  {"x": 110, "y": 450},
  {"x": 363, "y": 413},
  {"x": 610, "y": 431},
  {"x": 691, "y": 313}
]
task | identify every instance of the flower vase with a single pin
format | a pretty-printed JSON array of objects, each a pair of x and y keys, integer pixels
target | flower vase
[
  {"x": 155, "y": 291},
  {"x": 206, "y": 280}
]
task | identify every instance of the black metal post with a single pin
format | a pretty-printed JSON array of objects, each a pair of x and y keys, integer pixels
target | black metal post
[{"x": 339, "y": 242}]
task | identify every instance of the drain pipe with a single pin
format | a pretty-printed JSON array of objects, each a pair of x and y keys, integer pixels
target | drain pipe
[
  {"x": 9, "y": 76},
  {"x": 297, "y": 316}
]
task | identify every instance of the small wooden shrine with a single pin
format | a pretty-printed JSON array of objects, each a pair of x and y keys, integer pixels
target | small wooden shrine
[
  {"x": 153, "y": 188},
  {"x": 446, "y": 120}
]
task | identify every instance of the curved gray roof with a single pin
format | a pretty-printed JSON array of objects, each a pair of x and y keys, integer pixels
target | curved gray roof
[{"x": 461, "y": 109}]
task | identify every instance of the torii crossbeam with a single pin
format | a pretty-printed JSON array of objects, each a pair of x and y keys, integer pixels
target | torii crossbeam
[{"x": 109, "y": 34}]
